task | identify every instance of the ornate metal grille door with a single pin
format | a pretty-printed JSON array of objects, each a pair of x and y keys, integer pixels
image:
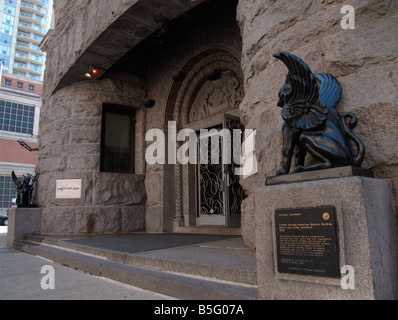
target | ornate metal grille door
[
  {"x": 211, "y": 183},
  {"x": 233, "y": 189},
  {"x": 220, "y": 194}
]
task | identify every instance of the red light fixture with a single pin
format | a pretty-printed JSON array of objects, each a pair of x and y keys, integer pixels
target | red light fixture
[{"x": 92, "y": 72}]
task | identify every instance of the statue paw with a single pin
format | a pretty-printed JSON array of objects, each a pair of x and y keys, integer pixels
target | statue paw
[
  {"x": 299, "y": 169},
  {"x": 281, "y": 172}
]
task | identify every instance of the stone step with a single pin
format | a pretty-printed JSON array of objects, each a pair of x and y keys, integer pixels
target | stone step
[
  {"x": 209, "y": 230},
  {"x": 178, "y": 285},
  {"x": 221, "y": 260}
]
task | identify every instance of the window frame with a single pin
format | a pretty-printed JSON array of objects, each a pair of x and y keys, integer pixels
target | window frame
[{"x": 123, "y": 110}]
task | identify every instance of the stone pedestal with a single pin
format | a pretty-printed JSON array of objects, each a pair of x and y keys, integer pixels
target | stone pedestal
[
  {"x": 366, "y": 233},
  {"x": 21, "y": 222}
]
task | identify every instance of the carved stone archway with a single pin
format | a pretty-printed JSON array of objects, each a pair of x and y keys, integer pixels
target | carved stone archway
[{"x": 197, "y": 103}]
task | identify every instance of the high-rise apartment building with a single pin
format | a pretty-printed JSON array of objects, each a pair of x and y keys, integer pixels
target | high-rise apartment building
[{"x": 24, "y": 24}]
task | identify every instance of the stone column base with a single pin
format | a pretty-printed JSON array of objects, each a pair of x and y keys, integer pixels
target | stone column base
[
  {"x": 366, "y": 233},
  {"x": 21, "y": 222}
]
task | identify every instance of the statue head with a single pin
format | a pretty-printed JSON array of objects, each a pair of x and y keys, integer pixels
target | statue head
[
  {"x": 285, "y": 93},
  {"x": 27, "y": 178}
]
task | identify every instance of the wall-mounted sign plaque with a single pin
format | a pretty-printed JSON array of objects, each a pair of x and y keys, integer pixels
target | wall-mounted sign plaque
[
  {"x": 307, "y": 242},
  {"x": 68, "y": 189}
]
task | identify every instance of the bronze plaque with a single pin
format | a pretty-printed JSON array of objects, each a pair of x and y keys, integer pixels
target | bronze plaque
[{"x": 307, "y": 242}]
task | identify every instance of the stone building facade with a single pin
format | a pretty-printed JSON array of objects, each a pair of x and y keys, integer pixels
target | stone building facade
[{"x": 136, "y": 45}]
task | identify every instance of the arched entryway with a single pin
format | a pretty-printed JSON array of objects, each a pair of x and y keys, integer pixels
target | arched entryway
[{"x": 208, "y": 196}]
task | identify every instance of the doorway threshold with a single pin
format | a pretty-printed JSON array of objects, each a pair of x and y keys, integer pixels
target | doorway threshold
[{"x": 209, "y": 230}]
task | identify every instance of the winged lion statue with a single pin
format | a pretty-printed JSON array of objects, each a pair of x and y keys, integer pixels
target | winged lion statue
[
  {"x": 24, "y": 189},
  {"x": 312, "y": 125}
]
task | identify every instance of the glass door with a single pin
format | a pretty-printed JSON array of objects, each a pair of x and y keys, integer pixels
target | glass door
[{"x": 220, "y": 194}]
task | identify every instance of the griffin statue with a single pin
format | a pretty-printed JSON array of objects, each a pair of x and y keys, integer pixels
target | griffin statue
[
  {"x": 312, "y": 125},
  {"x": 24, "y": 189}
]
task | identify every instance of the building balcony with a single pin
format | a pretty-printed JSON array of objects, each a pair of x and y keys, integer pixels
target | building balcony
[
  {"x": 25, "y": 58},
  {"x": 30, "y": 28},
  {"x": 33, "y": 18},
  {"x": 32, "y": 74},
  {"x": 35, "y": 72},
  {"x": 34, "y": 8},
  {"x": 28, "y": 47},
  {"x": 43, "y": 3},
  {"x": 20, "y": 68},
  {"x": 29, "y": 37}
]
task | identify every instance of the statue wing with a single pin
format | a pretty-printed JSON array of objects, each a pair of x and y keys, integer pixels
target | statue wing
[
  {"x": 33, "y": 180},
  {"x": 330, "y": 92},
  {"x": 16, "y": 181},
  {"x": 306, "y": 112}
]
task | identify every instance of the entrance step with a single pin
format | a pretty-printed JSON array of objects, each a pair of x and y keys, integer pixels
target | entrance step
[
  {"x": 210, "y": 230},
  {"x": 172, "y": 271}
]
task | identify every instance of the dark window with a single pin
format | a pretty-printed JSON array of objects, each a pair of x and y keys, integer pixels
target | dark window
[{"x": 117, "y": 139}]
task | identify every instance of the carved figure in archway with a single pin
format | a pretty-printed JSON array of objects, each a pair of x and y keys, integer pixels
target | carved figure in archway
[{"x": 217, "y": 97}]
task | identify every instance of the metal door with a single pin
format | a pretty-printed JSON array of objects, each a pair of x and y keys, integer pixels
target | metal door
[{"x": 220, "y": 194}]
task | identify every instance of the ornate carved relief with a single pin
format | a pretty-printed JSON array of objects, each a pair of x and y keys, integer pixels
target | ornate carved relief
[{"x": 216, "y": 97}]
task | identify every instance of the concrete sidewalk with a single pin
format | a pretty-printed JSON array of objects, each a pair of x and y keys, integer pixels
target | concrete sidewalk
[{"x": 20, "y": 279}]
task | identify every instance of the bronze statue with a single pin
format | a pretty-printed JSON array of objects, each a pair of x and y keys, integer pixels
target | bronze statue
[
  {"x": 24, "y": 189},
  {"x": 312, "y": 124}
]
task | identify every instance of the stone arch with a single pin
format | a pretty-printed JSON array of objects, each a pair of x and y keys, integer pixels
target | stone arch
[
  {"x": 225, "y": 57},
  {"x": 218, "y": 49},
  {"x": 221, "y": 61}
]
